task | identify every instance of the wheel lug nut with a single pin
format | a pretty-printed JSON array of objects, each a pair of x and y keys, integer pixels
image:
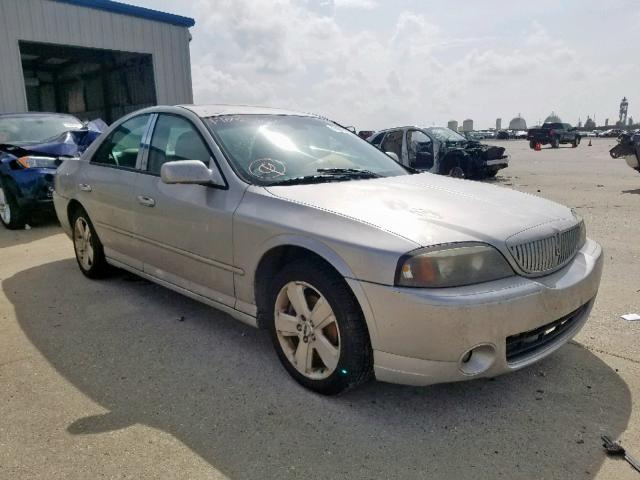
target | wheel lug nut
[
  {"x": 299, "y": 327},
  {"x": 313, "y": 338},
  {"x": 305, "y": 339}
]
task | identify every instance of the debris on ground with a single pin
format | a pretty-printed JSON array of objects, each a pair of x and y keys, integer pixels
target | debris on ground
[
  {"x": 180, "y": 319},
  {"x": 27, "y": 226},
  {"x": 614, "y": 449},
  {"x": 630, "y": 317}
]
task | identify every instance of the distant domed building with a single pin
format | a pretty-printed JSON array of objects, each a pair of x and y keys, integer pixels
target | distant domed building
[
  {"x": 453, "y": 125},
  {"x": 553, "y": 118},
  {"x": 467, "y": 125},
  {"x": 590, "y": 124},
  {"x": 517, "y": 123}
]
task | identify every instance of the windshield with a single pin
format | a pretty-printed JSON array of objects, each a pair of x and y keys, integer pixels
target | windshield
[
  {"x": 269, "y": 149},
  {"x": 35, "y": 128},
  {"x": 445, "y": 134}
]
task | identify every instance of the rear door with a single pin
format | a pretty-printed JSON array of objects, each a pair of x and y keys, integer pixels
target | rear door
[
  {"x": 186, "y": 230},
  {"x": 106, "y": 189}
]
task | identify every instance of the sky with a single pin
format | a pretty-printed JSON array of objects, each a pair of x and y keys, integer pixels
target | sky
[{"x": 378, "y": 64}]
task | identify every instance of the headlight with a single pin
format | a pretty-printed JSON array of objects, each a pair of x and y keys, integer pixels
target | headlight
[
  {"x": 39, "y": 162},
  {"x": 452, "y": 265}
]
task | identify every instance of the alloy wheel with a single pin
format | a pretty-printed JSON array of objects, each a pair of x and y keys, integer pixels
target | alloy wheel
[
  {"x": 82, "y": 240},
  {"x": 5, "y": 209},
  {"x": 307, "y": 330}
]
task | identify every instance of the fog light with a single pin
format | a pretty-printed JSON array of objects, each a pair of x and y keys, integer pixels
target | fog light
[{"x": 477, "y": 360}]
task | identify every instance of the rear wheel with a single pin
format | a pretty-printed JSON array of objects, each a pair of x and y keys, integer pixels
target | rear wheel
[
  {"x": 11, "y": 215},
  {"x": 555, "y": 143},
  {"x": 318, "y": 329},
  {"x": 576, "y": 142},
  {"x": 457, "y": 172},
  {"x": 532, "y": 144},
  {"x": 87, "y": 246}
]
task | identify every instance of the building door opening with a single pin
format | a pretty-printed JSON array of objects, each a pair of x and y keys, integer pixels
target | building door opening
[{"x": 87, "y": 82}]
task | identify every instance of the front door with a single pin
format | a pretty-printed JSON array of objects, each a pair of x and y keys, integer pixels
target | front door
[
  {"x": 185, "y": 230},
  {"x": 419, "y": 150}
]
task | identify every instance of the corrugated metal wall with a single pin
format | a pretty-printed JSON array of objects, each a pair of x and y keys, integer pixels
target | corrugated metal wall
[{"x": 52, "y": 22}]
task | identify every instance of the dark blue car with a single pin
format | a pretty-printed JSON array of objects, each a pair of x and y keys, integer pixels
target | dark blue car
[{"x": 32, "y": 145}]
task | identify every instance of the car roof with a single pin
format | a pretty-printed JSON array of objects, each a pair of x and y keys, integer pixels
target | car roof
[
  {"x": 400, "y": 128},
  {"x": 222, "y": 109}
]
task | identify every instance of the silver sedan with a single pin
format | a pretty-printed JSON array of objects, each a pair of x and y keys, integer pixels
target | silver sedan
[{"x": 357, "y": 268}]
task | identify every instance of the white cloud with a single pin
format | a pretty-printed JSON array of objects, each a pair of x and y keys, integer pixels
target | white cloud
[
  {"x": 406, "y": 67},
  {"x": 359, "y": 4}
]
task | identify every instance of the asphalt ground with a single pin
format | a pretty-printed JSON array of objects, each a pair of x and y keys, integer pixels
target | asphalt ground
[{"x": 121, "y": 378}]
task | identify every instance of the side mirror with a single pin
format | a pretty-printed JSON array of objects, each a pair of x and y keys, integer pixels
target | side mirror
[
  {"x": 190, "y": 172},
  {"x": 393, "y": 155}
]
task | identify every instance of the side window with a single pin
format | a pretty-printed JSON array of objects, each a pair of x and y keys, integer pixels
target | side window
[
  {"x": 393, "y": 143},
  {"x": 175, "y": 138},
  {"x": 378, "y": 138},
  {"x": 420, "y": 150},
  {"x": 120, "y": 148}
]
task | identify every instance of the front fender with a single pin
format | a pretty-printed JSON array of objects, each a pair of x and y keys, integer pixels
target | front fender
[
  {"x": 310, "y": 243},
  {"x": 330, "y": 256}
]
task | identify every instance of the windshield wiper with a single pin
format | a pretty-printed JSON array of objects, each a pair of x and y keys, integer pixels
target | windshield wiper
[
  {"x": 352, "y": 172},
  {"x": 306, "y": 179},
  {"x": 328, "y": 175}
]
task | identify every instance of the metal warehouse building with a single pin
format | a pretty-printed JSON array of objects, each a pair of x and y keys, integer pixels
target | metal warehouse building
[{"x": 92, "y": 58}]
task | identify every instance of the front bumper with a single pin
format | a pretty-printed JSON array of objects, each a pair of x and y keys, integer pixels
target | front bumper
[
  {"x": 423, "y": 335},
  {"x": 34, "y": 188}
]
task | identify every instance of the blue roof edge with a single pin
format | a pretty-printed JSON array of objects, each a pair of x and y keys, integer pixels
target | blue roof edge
[{"x": 134, "y": 11}]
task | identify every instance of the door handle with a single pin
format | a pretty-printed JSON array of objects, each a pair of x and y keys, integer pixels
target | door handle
[
  {"x": 85, "y": 187},
  {"x": 146, "y": 201}
]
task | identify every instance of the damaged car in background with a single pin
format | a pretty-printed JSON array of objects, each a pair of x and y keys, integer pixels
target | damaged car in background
[
  {"x": 32, "y": 146},
  {"x": 628, "y": 147},
  {"x": 357, "y": 268},
  {"x": 441, "y": 150}
]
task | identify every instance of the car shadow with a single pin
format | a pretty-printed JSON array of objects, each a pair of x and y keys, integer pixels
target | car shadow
[
  {"x": 40, "y": 226},
  {"x": 153, "y": 357}
]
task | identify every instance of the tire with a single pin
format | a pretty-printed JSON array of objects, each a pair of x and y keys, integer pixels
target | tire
[
  {"x": 491, "y": 173},
  {"x": 576, "y": 142},
  {"x": 87, "y": 246},
  {"x": 11, "y": 215},
  {"x": 317, "y": 289},
  {"x": 457, "y": 172},
  {"x": 555, "y": 143},
  {"x": 532, "y": 144}
]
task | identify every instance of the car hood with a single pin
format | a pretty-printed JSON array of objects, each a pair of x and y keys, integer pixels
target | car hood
[{"x": 430, "y": 209}]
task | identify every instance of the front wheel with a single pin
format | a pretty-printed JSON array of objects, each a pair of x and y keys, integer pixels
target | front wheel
[
  {"x": 555, "y": 143},
  {"x": 11, "y": 215},
  {"x": 87, "y": 246},
  {"x": 318, "y": 329},
  {"x": 532, "y": 144},
  {"x": 576, "y": 142}
]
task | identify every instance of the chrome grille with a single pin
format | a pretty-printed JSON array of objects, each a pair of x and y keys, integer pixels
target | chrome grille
[{"x": 549, "y": 253}]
